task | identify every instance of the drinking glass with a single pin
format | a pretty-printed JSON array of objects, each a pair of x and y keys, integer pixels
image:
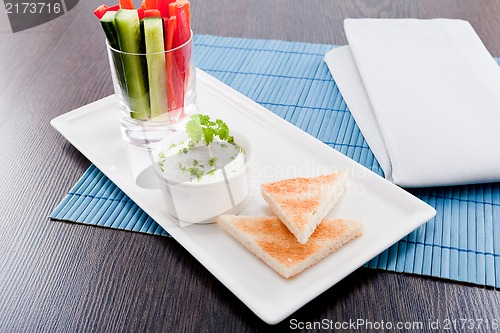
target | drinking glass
[{"x": 156, "y": 92}]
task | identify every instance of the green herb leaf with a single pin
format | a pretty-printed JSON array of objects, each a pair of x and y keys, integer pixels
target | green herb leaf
[
  {"x": 222, "y": 129},
  {"x": 209, "y": 134},
  {"x": 201, "y": 129},
  {"x": 194, "y": 128},
  {"x": 196, "y": 172},
  {"x": 212, "y": 161}
]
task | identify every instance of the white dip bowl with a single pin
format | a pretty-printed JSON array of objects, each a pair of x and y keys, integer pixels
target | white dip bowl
[{"x": 201, "y": 201}]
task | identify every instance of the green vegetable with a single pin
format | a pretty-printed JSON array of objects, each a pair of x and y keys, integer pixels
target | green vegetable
[
  {"x": 109, "y": 27},
  {"x": 134, "y": 67},
  {"x": 157, "y": 78},
  {"x": 196, "y": 172},
  {"x": 202, "y": 130}
]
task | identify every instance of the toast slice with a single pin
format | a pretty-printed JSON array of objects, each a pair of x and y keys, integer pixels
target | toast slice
[
  {"x": 273, "y": 243},
  {"x": 302, "y": 203}
]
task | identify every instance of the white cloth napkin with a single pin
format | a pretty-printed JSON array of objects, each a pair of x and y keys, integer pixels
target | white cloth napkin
[{"x": 426, "y": 96}]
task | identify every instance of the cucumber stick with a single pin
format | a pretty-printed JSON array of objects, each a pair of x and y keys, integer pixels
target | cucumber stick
[
  {"x": 157, "y": 70},
  {"x": 134, "y": 66},
  {"x": 109, "y": 27}
]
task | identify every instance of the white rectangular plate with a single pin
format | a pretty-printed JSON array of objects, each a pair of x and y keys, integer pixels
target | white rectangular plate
[{"x": 281, "y": 151}]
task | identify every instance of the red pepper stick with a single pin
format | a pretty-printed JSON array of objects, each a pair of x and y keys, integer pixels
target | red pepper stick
[
  {"x": 151, "y": 4},
  {"x": 182, "y": 56},
  {"x": 140, "y": 13},
  {"x": 163, "y": 6},
  {"x": 170, "y": 24},
  {"x": 100, "y": 11},
  {"x": 184, "y": 36},
  {"x": 173, "y": 93},
  {"x": 184, "y": 5},
  {"x": 126, "y": 4},
  {"x": 183, "y": 24},
  {"x": 187, "y": 7},
  {"x": 172, "y": 8},
  {"x": 152, "y": 13},
  {"x": 103, "y": 9}
]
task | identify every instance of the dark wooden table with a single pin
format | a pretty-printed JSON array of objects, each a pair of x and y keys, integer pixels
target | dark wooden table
[{"x": 64, "y": 277}]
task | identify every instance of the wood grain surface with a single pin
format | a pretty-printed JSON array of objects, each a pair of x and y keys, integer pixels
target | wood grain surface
[{"x": 63, "y": 277}]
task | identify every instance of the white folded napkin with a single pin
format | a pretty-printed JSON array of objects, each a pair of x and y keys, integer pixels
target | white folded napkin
[{"x": 426, "y": 96}]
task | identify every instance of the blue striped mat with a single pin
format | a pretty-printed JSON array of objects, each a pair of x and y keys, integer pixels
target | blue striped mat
[{"x": 461, "y": 243}]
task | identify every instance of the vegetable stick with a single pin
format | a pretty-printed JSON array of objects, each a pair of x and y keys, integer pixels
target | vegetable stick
[
  {"x": 151, "y": 4},
  {"x": 140, "y": 13},
  {"x": 126, "y": 4},
  {"x": 174, "y": 76},
  {"x": 100, "y": 11},
  {"x": 163, "y": 6},
  {"x": 152, "y": 13}
]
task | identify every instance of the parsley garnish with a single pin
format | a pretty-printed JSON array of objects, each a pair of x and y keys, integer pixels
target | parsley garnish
[
  {"x": 212, "y": 161},
  {"x": 196, "y": 172},
  {"x": 202, "y": 130}
]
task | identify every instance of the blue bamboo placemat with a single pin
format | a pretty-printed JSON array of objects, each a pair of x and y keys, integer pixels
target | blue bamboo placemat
[{"x": 461, "y": 243}]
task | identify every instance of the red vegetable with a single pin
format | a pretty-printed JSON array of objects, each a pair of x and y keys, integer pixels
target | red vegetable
[
  {"x": 182, "y": 12},
  {"x": 152, "y": 13},
  {"x": 175, "y": 81},
  {"x": 183, "y": 28},
  {"x": 103, "y": 9},
  {"x": 150, "y": 4},
  {"x": 100, "y": 11},
  {"x": 172, "y": 8},
  {"x": 182, "y": 35},
  {"x": 185, "y": 5},
  {"x": 140, "y": 13},
  {"x": 170, "y": 25},
  {"x": 126, "y": 4},
  {"x": 163, "y": 5}
]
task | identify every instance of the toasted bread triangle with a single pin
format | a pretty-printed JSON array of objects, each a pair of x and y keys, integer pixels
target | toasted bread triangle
[
  {"x": 272, "y": 242},
  {"x": 302, "y": 203}
]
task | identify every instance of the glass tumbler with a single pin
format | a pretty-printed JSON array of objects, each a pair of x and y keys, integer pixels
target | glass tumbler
[{"x": 156, "y": 92}]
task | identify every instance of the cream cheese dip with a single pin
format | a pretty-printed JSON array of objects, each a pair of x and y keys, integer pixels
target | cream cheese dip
[{"x": 201, "y": 164}]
